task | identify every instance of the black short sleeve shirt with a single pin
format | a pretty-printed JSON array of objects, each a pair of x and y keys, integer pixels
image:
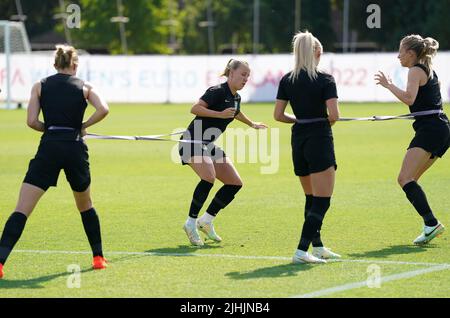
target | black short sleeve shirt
[
  {"x": 218, "y": 99},
  {"x": 308, "y": 97}
]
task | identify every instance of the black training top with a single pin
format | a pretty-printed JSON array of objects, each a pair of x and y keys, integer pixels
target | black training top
[
  {"x": 218, "y": 99},
  {"x": 429, "y": 95},
  {"x": 62, "y": 101},
  {"x": 307, "y": 97}
]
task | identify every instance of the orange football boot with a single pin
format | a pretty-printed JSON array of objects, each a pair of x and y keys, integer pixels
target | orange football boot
[{"x": 99, "y": 262}]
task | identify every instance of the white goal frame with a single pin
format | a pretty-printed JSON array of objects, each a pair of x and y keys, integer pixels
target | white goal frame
[{"x": 5, "y": 30}]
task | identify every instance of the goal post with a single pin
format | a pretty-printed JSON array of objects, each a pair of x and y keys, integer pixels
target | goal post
[{"x": 13, "y": 39}]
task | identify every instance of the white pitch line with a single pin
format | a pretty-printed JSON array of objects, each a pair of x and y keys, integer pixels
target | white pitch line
[
  {"x": 279, "y": 258},
  {"x": 341, "y": 288}
]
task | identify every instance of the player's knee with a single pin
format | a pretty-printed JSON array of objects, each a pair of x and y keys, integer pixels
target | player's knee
[
  {"x": 403, "y": 179},
  {"x": 239, "y": 183},
  {"x": 400, "y": 180},
  {"x": 84, "y": 203},
  {"x": 85, "y": 206},
  {"x": 210, "y": 177},
  {"x": 24, "y": 209}
]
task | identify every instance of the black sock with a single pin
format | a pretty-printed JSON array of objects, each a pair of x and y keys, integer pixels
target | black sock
[
  {"x": 308, "y": 203},
  {"x": 222, "y": 198},
  {"x": 11, "y": 234},
  {"x": 201, "y": 193},
  {"x": 418, "y": 199},
  {"x": 91, "y": 225},
  {"x": 316, "y": 241},
  {"x": 313, "y": 221}
]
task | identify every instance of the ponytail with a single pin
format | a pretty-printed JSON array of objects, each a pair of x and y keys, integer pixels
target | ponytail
[
  {"x": 65, "y": 56},
  {"x": 425, "y": 49},
  {"x": 233, "y": 65},
  {"x": 304, "y": 46}
]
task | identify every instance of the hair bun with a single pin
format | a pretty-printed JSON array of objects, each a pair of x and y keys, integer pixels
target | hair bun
[
  {"x": 431, "y": 46},
  {"x": 65, "y": 56},
  {"x": 60, "y": 50}
]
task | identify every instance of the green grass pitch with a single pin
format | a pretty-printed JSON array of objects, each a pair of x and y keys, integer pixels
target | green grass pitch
[{"x": 142, "y": 198}]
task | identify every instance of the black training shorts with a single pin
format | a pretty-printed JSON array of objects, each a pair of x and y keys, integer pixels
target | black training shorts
[
  {"x": 52, "y": 156},
  {"x": 189, "y": 150},
  {"x": 312, "y": 154},
  {"x": 432, "y": 135}
]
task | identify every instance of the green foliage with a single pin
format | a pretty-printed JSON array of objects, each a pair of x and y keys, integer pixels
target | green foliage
[
  {"x": 400, "y": 18},
  {"x": 149, "y": 33},
  {"x": 39, "y": 14},
  {"x": 144, "y": 31}
]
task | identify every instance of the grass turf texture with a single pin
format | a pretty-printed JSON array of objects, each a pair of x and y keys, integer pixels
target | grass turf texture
[{"x": 142, "y": 198}]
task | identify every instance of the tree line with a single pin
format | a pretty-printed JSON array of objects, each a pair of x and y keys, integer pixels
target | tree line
[{"x": 227, "y": 26}]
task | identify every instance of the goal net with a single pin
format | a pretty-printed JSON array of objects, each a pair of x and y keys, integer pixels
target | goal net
[{"x": 13, "y": 40}]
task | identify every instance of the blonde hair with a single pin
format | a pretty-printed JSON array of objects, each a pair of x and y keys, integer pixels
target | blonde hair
[
  {"x": 233, "y": 65},
  {"x": 65, "y": 56},
  {"x": 304, "y": 46},
  {"x": 425, "y": 49}
]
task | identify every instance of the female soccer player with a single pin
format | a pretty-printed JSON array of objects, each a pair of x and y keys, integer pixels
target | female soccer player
[
  {"x": 214, "y": 111},
  {"x": 310, "y": 93},
  {"x": 432, "y": 138},
  {"x": 62, "y": 99}
]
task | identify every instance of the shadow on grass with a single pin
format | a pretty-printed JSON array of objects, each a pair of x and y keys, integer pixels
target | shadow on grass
[
  {"x": 284, "y": 270},
  {"x": 34, "y": 283},
  {"x": 180, "y": 251},
  {"x": 394, "y": 250}
]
